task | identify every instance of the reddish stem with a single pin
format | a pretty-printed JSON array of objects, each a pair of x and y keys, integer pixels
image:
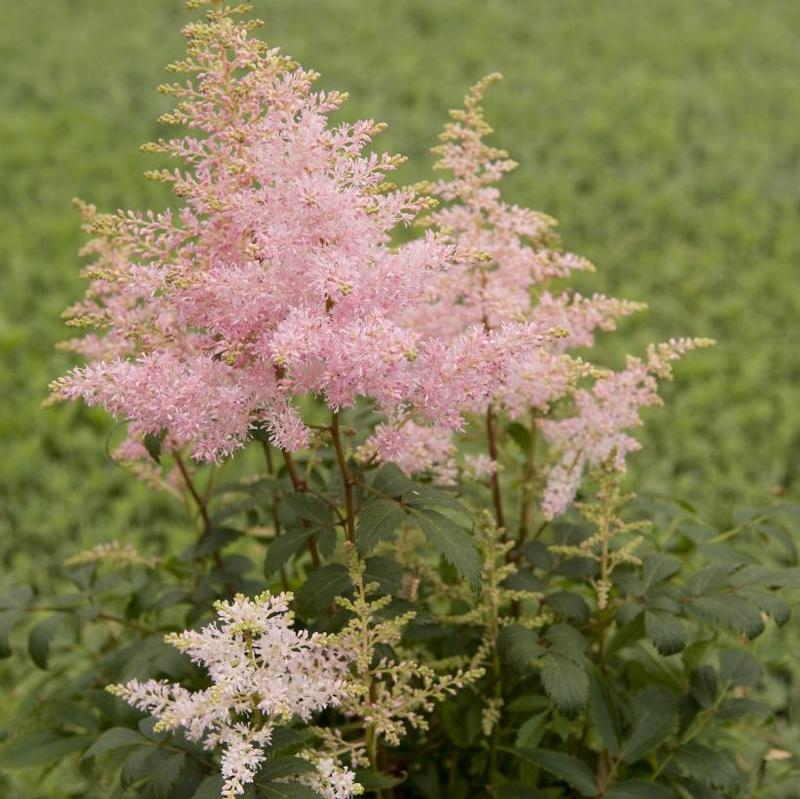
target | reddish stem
[
  {"x": 347, "y": 478},
  {"x": 199, "y": 501},
  {"x": 301, "y": 487},
  {"x": 494, "y": 480},
  {"x": 275, "y": 520}
]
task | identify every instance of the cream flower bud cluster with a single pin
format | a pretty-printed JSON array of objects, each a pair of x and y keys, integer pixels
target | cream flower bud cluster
[{"x": 263, "y": 672}]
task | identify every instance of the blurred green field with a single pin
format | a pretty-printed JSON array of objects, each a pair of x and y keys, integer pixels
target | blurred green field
[{"x": 662, "y": 133}]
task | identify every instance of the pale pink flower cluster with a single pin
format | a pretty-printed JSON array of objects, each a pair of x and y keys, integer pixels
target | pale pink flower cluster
[
  {"x": 469, "y": 371},
  {"x": 516, "y": 250},
  {"x": 479, "y": 466},
  {"x": 604, "y": 413},
  {"x": 516, "y": 256},
  {"x": 262, "y": 671},
  {"x": 414, "y": 449},
  {"x": 276, "y": 278}
]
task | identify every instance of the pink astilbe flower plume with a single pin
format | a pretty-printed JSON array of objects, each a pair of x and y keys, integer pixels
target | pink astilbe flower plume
[
  {"x": 603, "y": 416},
  {"x": 508, "y": 282},
  {"x": 275, "y": 278},
  {"x": 516, "y": 255}
]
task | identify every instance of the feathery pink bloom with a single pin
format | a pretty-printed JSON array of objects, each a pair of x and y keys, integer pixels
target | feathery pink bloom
[
  {"x": 276, "y": 278},
  {"x": 513, "y": 255},
  {"x": 603, "y": 416}
]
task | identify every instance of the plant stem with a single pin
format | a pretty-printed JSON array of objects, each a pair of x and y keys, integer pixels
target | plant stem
[
  {"x": 607, "y": 772},
  {"x": 275, "y": 519},
  {"x": 347, "y": 478},
  {"x": 301, "y": 487},
  {"x": 695, "y": 728},
  {"x": 199, "y": 501},
  {"x": 526, "y": 492},
  {"x": 491, "y": 432},
  {"x": 298, "y": 483}
]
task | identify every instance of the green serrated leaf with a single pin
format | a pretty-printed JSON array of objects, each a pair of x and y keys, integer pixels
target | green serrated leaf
[
  {"x": 521, "y": 437},
  {"x": 214, "y": 539},
  {"x": 604, "y": 713},
  {"x": 8, "y": 620},
  {"x": 384, "y": 571},
  {"x": 537, "y": 554},
  {"x": 138, "y": 766},
  {"x": 627, "y": 612},
  {"x": 287, "y": 737},
  {"x": 232, "y": 509},
  {"x": 452, "y": 541},
  {"x": 310, "y": 508},
  {"x": 655, "y": 718},
  {"x": 321, "y": 587},
  {"x": 567, "y": 768},
  {"x": 391, "y": 481},
  {"x": 39, "y": 748},
  {"x": 40, "y": 638},
  {"x": 728, "y": 610},
  {"x": 284, "y": 766},
  {"x": 326, "y": 542},
  {"x": 16, "y": 599},
  {"x": 566, "y": 683},
  {"x": 627, "y": 634},
  {"x": 165, "y": 775},
  {"x": 657, "y": 568},
  {"x": 375, "y": 780},
  {"x": 377, "y": 522},
  {"x": 115, "y": 738},
  {"x": 639, "y": 789},
  {"x": 528, "y": 703},
  {"x": 531, "y": 731},
  {"x": 703, "y": 685},
  {"x": 739, "y": 667},
  {"x": 568, "y": 604},
  {"x": 695, "y": 654},
  {"x": 523, "y": 580},
  {"x": 737, "y": 707},
  {"x": 665, "y": 630},
  {"x": 769, "y": 602},
  {"x": 462, "y": 722},
  {"x": 424, "y": 497},
  {"x": 152, "y": 444},
  {"x": 567, "y": 641},
  {"x": 711, "y": 766},
  {"x": 710, "y": 579},
  {"x": 519, "y": 646},
  {"x": 564, "y": 669},
  {"x": 284, "y": 547},
  {"x": 210, "y": 788}
]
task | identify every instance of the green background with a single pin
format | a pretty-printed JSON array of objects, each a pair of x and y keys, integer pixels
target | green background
[{"x": 664, "y": 134}]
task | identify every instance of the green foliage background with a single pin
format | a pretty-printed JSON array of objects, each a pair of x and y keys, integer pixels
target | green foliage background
[{"x": 662, "y": 133}]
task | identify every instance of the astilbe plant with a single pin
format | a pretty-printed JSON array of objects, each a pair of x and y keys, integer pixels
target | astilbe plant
[{"x": 401, "y": 601}]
